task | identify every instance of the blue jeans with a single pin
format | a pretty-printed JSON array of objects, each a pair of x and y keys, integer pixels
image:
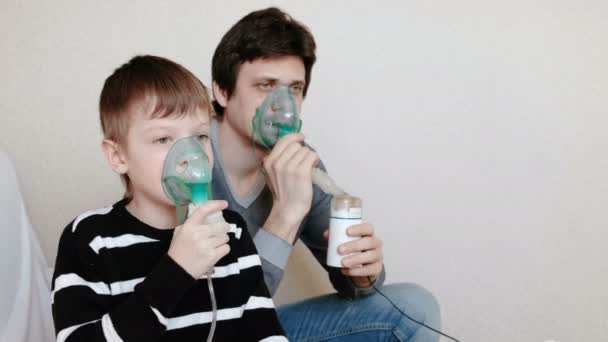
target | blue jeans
[{"x": 371, "y": 318}]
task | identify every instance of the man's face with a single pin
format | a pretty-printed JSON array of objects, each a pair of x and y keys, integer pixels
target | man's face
[
  {"x": 147, "y": 144},
  {"x": 255, "y": 80}
]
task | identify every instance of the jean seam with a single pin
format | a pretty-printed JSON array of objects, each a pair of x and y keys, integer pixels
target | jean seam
[
  {"x": 373, "y": 326},
  {"x": 399, "y": 334}
]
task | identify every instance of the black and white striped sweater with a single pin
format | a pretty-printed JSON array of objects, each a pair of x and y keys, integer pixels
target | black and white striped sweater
[{"x": 114, "y": 281}]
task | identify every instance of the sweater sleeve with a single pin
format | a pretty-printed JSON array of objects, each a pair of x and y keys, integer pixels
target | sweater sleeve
[
  {"x": 86, "y": 307},
  {"x": 274, "y": 253}
]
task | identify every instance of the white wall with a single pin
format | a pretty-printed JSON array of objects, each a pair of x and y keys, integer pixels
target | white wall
[{"x": 476, "y": 136}]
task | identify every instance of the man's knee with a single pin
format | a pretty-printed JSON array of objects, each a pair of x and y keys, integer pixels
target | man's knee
[{"x": 415, "y": 301}]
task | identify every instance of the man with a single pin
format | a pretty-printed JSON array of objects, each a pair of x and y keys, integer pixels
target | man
[{"x": 273, "y": 191}]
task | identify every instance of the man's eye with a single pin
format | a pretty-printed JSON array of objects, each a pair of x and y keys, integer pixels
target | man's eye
[
  {"x": 266, "y": 86},
  {"x": 163, "y": 140},
  {"x": 297, "y": 89},
  {"x": 203, "y": 137}
]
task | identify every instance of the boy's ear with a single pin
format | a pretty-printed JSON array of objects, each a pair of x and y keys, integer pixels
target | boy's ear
[
  {"x": 114, "y": 156},
  {"x": 220, "y": 95}
]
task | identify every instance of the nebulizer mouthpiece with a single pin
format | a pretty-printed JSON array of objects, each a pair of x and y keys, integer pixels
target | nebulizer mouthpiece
[
  {"x": 278, "y": 116},
  {"x": 187, "y": 175}
]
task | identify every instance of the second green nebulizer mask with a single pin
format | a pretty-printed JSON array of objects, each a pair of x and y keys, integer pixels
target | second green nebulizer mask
[
  {"x": 187, "y": 175},
  {"x": 278, "y": 116}
]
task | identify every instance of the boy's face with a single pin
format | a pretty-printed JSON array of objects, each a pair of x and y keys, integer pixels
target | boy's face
[
  {"x": 147, "y": 144},
  {"x": 255, "y": 80}
]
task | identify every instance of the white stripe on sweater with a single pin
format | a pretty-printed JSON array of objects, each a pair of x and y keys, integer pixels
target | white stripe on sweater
[
  {"x": 109, "y": 332},
  {"x": 100, "y": 211},
  {"x": 118, "y": 241},
  {"x": 182, "y": 321},
  {"x": 127, "y": 286},
  {"x": 236, "y": 230},
  {"x": 236, "y": 267},
  {"x": 65, "y": 333},
  {"x": 275, "y": 338},
  {"x": 162, "y": 319},
  {"x": 100, "y": 288},
  {"x": 222, "y": 314},
  {"x": 73, "y": 279}
]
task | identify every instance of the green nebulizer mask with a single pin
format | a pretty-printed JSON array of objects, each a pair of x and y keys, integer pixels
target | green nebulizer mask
[
  {"x": 276, "y": 117},
  {"x": 187, "y": 175}
]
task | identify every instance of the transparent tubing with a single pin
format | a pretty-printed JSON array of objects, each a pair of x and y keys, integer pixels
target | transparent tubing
[
  {"x": 213, "y": 307},
  {"x": 325, "y": 182}
]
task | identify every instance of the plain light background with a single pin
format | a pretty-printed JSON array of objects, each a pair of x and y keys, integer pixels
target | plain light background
[{"x": 473, "y": 130}]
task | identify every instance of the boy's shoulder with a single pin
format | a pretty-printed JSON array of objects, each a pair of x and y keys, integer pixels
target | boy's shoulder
[
  {"x": 109, "y": 221},
  {"x": 92, "y": 223}
]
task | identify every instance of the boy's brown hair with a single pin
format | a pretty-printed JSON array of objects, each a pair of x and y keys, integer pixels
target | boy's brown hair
[{"x": 171, "y": 88}]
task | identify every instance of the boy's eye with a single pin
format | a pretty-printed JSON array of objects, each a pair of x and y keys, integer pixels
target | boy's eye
[
  {"x": 163, "y": 140},
  {"x": 203, "y": 137}
]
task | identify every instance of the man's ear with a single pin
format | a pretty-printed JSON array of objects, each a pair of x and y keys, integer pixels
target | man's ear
[
  {"x": 115, "y": 156},
  {"x": 220, "y": 95}
]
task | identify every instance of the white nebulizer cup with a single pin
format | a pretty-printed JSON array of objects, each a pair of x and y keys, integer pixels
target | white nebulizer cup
[{"x": 345, "y": 212}]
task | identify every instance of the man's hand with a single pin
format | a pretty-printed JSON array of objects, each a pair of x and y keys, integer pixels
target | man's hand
[
  {"x": 196, "y": 246},
  {"x": 368, "y": 262},
  {"x": 288, "y": 171}
]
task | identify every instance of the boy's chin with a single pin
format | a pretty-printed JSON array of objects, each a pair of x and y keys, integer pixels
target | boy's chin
[
  {"x": 162, "y": 203},
  {"x": 167, "y": 204}
]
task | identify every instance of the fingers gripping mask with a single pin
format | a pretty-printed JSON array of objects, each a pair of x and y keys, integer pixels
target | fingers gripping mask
[
  {"x": 187, "y": 174},
  {"x": 276, "y": 117}
]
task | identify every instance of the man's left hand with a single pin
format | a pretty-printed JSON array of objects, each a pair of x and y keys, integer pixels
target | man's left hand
[{"x": 367, "y": 263}]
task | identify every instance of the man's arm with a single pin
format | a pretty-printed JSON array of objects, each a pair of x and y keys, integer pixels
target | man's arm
[
  {"x": 274, "y": 253},
  {"x": 288, "y": 173},
  {"x": 315, "y": 224}
]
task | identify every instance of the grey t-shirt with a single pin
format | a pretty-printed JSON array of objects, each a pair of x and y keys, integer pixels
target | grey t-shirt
[{"x": 274, "y": 251}]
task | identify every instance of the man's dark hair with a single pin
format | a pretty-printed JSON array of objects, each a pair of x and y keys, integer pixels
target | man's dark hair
[{"x": 261, "y": 34}]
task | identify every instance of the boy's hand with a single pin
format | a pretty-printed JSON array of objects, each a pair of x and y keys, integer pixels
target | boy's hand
[
  {"x": 368, "y": 262},
  {"x": 288, "y": 170},
  {"x": 196, "y": 246}
]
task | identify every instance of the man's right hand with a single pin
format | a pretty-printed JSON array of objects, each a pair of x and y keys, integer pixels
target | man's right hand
[
  {"x": 196, "y": 246},
  {"x": 288, "y": 171}
]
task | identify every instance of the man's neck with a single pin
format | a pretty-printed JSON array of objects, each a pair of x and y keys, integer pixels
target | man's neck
[
  {"x": 152, "y": 214},
  {"x": 241, "y": 159}
]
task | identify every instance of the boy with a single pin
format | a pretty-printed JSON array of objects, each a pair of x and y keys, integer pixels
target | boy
[
  {"x": 264, "y": 49},
  {"x": 122, "y": 273}
]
